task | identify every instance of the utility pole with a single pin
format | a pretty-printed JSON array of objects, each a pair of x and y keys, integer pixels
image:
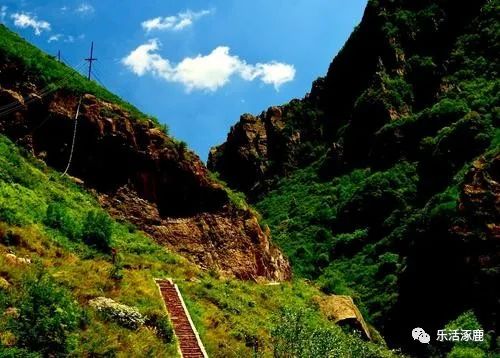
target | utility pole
[
  {"x": 58, "y": 55},
  {"x": 91, "y": 59}
]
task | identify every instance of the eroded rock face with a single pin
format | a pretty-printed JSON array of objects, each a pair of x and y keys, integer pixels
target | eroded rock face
[
  {"x": 143, "y": 176},
  {"x": 114, "y": 150},
  {"x": 230, "y": 241},
  {"x": 479, "y": 232},
  {"x": 258, "y": 148}
]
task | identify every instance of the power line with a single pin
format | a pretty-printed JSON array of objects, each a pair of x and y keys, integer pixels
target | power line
[
  {"x": 98, "y": 75},
  {"x": 98, "y": 79},
  {"x": 17, "y": 105}
]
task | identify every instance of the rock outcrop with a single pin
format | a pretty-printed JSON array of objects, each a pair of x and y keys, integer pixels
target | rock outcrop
[
  {"x": 142, "y": 175},
  {"x": 260, "y": 149},
  {"x": 230, "y": 241},
  {"x": 253, "y": 145},
  {"x": 343, "y": 311}
]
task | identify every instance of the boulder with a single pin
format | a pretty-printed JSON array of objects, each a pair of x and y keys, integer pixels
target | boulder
[{"x": 342, "y": 310}]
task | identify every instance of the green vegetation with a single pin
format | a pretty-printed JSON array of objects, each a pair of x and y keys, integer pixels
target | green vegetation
[
  {"x": 67, "y": 236},
  {"x": 387, "y": 208},
  {"x": 229, "y": 311},
  {"x": 61, "y": 228},
  {"x": 300, "y": 334},
  {"x": 470, "y": 349},
  {"x": 358, "y": 206},
  {"x": 377, "y": 227},
  {"x": 44, "y": 316},
  {"x": 97, "y": 230}
]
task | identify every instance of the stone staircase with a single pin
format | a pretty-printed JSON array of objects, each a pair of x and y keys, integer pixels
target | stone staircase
[{"x": 190, "y": 345}]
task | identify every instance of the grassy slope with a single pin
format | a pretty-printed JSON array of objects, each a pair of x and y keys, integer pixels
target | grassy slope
[{"x": 230, "y": 314}]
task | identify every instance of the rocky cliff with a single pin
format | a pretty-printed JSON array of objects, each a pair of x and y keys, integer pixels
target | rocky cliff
[
  {"x": 256, "y": 150},
  {"x": 140, "y": 174}
]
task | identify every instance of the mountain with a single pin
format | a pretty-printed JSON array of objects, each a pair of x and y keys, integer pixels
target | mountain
[
  {"x": 79, "y": 253},
  {"x": 141, "y": 173},
  {"x": 382, "y": 182},
  {"x": 379, "y": 188}
]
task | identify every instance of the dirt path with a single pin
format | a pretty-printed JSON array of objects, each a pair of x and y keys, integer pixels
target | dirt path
[{"x": 189, "y": 342}]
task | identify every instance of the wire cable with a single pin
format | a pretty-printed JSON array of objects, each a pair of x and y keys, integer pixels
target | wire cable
[
  {"x": 100, "y": 74},
  {"x": 41, "y": 92},
  {"x": 14, "y": 106},
  {"x": 74, "y": 138},
  {"x": 98, "y": 79}
]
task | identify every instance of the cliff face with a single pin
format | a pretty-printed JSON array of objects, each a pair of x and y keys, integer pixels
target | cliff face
[
  {"x": 141, "y": 175},
  {"x": 229, "y": 241},
  {"x": 255, "y": 150},
  {"x": 260, "y": 149}
]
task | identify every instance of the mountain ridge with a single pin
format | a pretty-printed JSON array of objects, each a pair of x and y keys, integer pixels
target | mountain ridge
[{"x": 364, "y": 182}]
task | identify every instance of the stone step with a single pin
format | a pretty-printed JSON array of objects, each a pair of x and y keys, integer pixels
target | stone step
[{"x": 188, "y": 343}]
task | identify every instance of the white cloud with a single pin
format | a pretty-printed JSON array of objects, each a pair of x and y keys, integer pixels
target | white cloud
[
  {"x": 24, "y": 20},
  {"x": 209, "y": 72},
  {"x": 54, "y": 38},
  {"x": 3, "y": 13},
  {"x": 61, "y": 37},
  {"x": 85, "y": 9},
  {"x": 273, "y": 73},
  {"x": 175, "y": 22}
]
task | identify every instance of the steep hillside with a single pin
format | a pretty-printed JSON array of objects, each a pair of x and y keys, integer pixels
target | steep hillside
[
  {"x": 126, "y": 157},
  {"x": 55, "y": 258},
  {"x": 382, "y": 182}
]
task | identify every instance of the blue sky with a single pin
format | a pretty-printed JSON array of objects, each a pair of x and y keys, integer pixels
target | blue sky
[{"x": 196, "y": 65}]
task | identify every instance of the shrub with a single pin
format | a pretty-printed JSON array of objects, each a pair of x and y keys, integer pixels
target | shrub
[
  {"x": 97, "y": 229},
  {"x": 48, "y": 315},
  {"x": 468, "y": 321},
  {"x": 116, "y": 271},
  {"x": 333, "y": 282},
  {"x": 9, "y": 216},
  {"x": 298, "y": 334},
  {"x": 126, "y": 316},
  {"x": 466, "y": 352},
  {"x": 17, "y": 353},
  {"x": 58, "y": 217},
  {"x": 162, "y": 325}
]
